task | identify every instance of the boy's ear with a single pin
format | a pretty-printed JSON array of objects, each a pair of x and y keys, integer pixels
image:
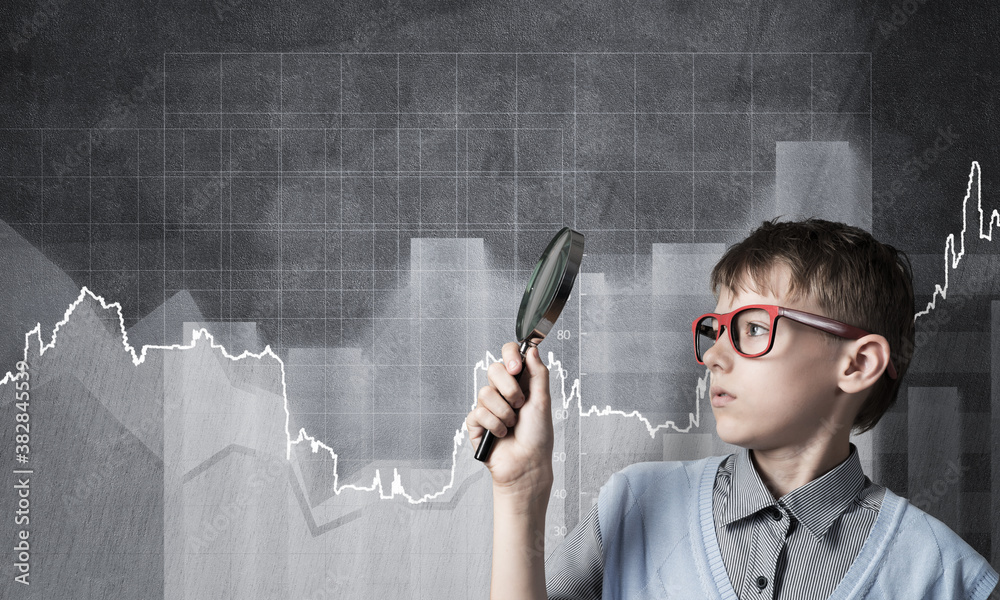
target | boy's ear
[{"x": 867, "y": 359}]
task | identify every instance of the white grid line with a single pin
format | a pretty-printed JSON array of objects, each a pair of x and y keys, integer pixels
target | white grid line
[
  {"x": 439, "y": 113},
  {"x": 693, "y": 148},
  {"x": 812, "y": 116},
  {"x": 519, "y": 53},
  {"x": 752, "y": 145}
]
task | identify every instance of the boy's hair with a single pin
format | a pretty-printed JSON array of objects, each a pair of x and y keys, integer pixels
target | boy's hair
[{"x": 854, "y": 278}]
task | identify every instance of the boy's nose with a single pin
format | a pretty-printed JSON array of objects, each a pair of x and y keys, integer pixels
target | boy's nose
[{"x": 717, "y": 355}]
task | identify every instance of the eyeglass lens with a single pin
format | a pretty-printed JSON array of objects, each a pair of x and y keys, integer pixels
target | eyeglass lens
[{"x": 750, "y": 331}]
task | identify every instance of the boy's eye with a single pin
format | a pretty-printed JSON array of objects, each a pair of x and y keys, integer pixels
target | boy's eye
[{"x": 752, "y": 324}]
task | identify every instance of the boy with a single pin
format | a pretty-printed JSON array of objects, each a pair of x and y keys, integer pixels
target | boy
[{"x": 790, "y": 516}]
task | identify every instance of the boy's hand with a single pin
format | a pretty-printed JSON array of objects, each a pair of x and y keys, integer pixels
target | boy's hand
[{"x": 521, "y": 460}]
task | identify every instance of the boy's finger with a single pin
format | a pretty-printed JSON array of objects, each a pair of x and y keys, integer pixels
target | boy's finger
[
  {"x": 512, "y": 357},
  {"x": 505, "y": 384},
  {"x": 489, "y": 420},
  {"x": 496, "y": 404},
  {"x": 475, "y": 429}
]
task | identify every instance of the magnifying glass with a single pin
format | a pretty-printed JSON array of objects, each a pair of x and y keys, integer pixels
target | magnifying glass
[{"x": 543, "y": 300}]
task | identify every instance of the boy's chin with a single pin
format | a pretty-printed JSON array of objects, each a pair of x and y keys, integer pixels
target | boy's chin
[
  {"x": 732, "y": 433},
  {"x": 727, "y": 435}
]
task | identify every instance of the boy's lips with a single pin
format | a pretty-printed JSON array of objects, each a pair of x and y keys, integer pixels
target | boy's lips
[{"x": 720, "y": 397}]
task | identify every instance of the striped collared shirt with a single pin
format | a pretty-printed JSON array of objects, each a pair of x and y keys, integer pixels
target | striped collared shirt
[{"x": 796, "y": 548}]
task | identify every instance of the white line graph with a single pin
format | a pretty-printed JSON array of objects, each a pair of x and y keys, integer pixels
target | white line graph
[
  {"x": 396, "y": 488},
  {"x": 564, "y": 398},
  {"x": 975, "y": 180}
]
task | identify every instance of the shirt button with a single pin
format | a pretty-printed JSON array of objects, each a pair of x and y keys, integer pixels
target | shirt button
[
  {"x": 761, "y": 582},
  {"x": 775, "y": 513}
]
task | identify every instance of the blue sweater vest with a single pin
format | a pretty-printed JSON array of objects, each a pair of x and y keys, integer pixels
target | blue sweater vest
[{"x": 659, "y": 542}]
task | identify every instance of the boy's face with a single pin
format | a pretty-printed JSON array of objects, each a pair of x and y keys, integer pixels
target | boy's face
[{"x": 788, "y": 398}]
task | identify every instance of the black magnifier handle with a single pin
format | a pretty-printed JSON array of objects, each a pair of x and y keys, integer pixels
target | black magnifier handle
[{"x": 486, "y": 444}]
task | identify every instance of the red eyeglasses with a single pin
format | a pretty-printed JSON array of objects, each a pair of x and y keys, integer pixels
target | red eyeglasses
[{"x": 751, "y": 330}]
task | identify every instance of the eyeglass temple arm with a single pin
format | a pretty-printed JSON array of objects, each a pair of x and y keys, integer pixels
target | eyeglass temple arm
[{"x": 831, "y": 326}]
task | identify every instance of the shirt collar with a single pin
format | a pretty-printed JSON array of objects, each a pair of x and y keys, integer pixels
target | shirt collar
[{"x": 816, "y": 504}]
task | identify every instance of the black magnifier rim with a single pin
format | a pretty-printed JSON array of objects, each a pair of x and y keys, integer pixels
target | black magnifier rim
[{"x": 574, "y": 240}]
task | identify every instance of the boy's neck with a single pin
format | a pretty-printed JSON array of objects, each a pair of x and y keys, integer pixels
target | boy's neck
[{"x": 785, "y": 469}]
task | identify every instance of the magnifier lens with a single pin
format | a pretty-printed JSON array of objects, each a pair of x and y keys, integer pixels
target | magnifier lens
[{"x": 543, "y": 285}]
